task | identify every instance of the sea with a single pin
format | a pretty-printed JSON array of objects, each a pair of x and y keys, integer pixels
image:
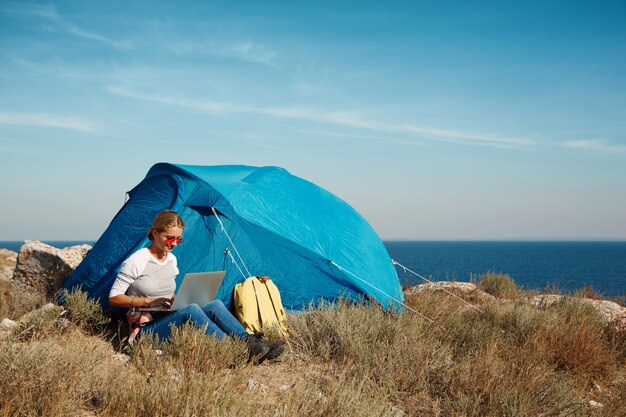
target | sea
[{"x": 565, "y": 265}]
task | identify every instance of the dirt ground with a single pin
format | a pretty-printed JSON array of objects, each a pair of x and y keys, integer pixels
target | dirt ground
[{"x": 275, "y": 379}]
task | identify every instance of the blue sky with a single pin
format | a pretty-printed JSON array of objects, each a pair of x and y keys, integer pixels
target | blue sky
[{"x": 435, "y": 120}]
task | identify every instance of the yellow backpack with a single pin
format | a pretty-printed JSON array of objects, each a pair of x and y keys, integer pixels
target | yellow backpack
[{"x": 258, "y": 306}]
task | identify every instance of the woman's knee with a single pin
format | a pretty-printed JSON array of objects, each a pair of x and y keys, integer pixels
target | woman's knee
[
  {"x": 192, "y": 311},
  {"x": 217, "y": 303},
  {"x": 214, "y": 307}
]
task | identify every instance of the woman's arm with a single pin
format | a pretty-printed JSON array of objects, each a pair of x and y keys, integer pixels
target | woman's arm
[{"x": 123, "y": 300}]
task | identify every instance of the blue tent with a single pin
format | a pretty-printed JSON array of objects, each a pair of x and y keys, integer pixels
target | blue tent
[{"x": 313, "y": 244}]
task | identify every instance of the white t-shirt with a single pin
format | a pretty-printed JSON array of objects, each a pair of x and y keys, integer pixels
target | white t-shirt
[{"x": 142, "y": 275}]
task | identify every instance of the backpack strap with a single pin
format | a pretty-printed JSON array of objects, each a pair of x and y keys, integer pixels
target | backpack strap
[
  {"x": 258, "y": 307},
  {"x": 269, "y": 294}
]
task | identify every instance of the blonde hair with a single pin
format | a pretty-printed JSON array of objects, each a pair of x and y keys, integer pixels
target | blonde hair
[{"x": 163, "y": 221}]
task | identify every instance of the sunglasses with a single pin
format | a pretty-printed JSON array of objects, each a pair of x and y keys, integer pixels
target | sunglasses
[{"x": 171, "y": 239}]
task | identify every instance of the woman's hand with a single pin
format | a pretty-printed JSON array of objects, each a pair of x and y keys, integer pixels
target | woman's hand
[
  {"x": 123, "y": 300},
  {"x": 161, "y": 302}
]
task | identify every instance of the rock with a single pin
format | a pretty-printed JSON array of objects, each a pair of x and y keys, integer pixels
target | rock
[
  {"x": 8, "y": 260},
  {"x": 544, "y": 300},
  {"x": 120, "y": 358},
  {"x": 466, "y": 292},
  {"x": 63, "y": 323},
  {"x": 48, "y": 306},
  {"x": 36, "y": 313},
  {"x": 317, "y": 395},
  {"x": 595, "y": 404},
  {"x": 173, "y": 373},
  {"x": 456, "y": 288},
  {"x": 395, "y": 412},
  {"x": 257, "y": 386},
  {"x": 7, "y": 324},
  {"x": 83, "y": 413},
  {"x": 613, "y": 313},
  {"x": 463, "y": 287},
  {"x": 42, "y": 268}
]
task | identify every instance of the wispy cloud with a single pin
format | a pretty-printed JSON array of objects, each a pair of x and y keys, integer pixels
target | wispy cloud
[
  {"x": 29, "y": 9},
  {"x": 57, "y": 23},
  {"x": 47, "y": 120},
  {"x": 352, "y": 119},
  {"x": 247, "y": 51},
  {"x": 342, "y": 118},
  {"x": 475, "y": 138},
  {"x": 389, "y": 140},
  {"x": 254, "y": 52},
  {"x": 595, "y": 145},
  {"x": 343, "y": 135},
  {"x": 205, "y": 106},
  {"x": 81, "y": 33}
]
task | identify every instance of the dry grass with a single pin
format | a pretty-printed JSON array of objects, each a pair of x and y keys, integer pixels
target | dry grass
[
  {"x": 499, "y": 285},
  {"x": 352, "y": 360},
  {"x": 589, "y": 292},
  {"x": 14, "y": 304}
]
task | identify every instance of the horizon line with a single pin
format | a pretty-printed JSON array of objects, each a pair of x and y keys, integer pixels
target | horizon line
[{"x": 404, "y": 239}]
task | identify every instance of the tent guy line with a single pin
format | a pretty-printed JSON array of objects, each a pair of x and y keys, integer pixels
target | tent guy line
[
  {"x": 382, "y": 292},
  {"x": 427, "y": 280},
  {"x": 232, "y": 259},
  {"x": 233, "y": 245}
]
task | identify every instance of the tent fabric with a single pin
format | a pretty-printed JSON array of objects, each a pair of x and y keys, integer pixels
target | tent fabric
[{"x": 281, "y": 225}]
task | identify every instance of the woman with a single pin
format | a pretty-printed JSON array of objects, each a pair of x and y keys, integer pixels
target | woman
[{"x": 148, "y": 279}]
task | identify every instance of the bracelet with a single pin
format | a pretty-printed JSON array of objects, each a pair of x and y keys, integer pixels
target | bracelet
[{"x": 132, "y": 300}]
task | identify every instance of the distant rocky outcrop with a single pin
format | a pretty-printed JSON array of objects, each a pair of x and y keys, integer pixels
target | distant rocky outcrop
[
  {"x": 443, "y": 286},
  {"x": 450, "y": 287},
  {"x": 613, "y": 314},
  {"x": 42, "y": 268}
]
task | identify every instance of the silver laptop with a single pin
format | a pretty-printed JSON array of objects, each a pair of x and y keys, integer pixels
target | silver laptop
[{"x": 196, "y": 288}]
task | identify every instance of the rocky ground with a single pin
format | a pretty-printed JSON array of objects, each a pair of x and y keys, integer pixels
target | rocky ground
[{"x": 613, "y": 313}]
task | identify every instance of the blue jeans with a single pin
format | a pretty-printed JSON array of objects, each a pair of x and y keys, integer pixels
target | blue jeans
[{"x": 213, "y": 317}]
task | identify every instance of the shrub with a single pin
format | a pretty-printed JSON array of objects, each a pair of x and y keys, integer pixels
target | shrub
[
  {"x": 38, "y": 324},
  {"x": 192, "y": 349},
  {"x": 189, "y": 374},
  {"x": 499, "y": 285},
  {"x": 51, "y": 377},
  {"x": 344, "y": 395},
  {"x": 589, "y": 292},
  {"x": 575, "y": 340},
  {"x": 18, "y": 303},
  {"x": 83, "y": 311}
]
